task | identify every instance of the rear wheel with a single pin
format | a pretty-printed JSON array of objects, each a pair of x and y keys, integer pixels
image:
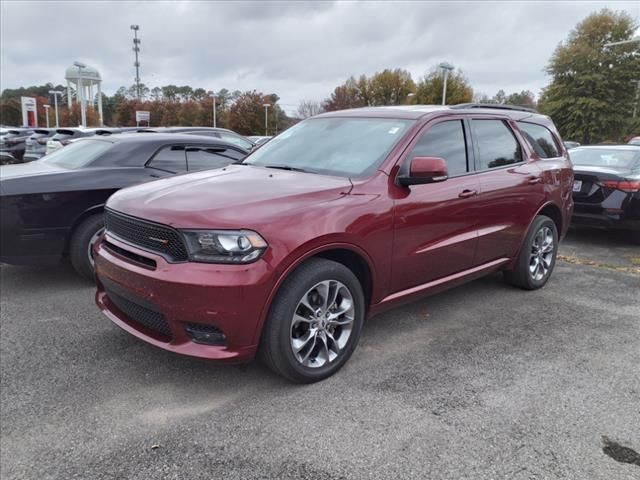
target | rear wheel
[
  {"x": 81, "y": 246},
  {"x": 537, "y": 256},
  {"x": 314, "y": 323}
]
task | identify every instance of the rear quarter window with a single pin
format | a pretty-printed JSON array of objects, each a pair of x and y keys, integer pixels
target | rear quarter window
[{"x": 541, "y": 139}]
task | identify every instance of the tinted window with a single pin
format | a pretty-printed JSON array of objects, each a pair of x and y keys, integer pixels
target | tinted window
[
  {"x": 236, "y": 140},
  {"x": 496, "y": 144},
  {"x": 343, "y": 146},
  {"x": 606, "y": 157},
  {"x": 540, "y": 139},
  {"x": 171, "y": 159},
  {"x": 444, "y": 140},
  {"x": 77, "y": 154},
  {"x": 206, "y": 158}
]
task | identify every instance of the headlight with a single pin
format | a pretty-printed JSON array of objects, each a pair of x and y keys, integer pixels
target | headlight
[{"x": 224, "y": 246}]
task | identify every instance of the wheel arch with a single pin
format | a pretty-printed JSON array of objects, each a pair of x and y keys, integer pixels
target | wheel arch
[
  {"x": 93, "y": 210},
  {"x": 349, "y": 255},
  {"x": 548, "y": 209}
]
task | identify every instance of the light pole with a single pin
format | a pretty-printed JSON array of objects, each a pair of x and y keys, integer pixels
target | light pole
[
  {"x": 266, "y": 119},
  {"x": 213, "y": 96},
  {"x": 136, "y": 48},
  {"x": 83, "y": 111},
  {"x": 447, "y": 67},
  {"x": 55, "y": 94},
  {"x": 637, "y": 82},
  {"x": 46, "y": 112}
]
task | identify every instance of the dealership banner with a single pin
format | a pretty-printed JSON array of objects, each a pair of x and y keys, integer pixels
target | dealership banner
[{"x": 29, "y": 112}]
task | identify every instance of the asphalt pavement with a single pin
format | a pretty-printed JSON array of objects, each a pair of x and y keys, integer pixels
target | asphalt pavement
[{"x": 481, "y": 382}]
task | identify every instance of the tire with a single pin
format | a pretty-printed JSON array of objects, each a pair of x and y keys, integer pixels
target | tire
[
  {"x": 320, "y": 354},
  {"x": 81, "y": 243},
  {"x": 533, "y": 266}
]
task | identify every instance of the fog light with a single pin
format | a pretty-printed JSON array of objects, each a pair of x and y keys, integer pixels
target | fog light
[{"x": 205, "y": 334}]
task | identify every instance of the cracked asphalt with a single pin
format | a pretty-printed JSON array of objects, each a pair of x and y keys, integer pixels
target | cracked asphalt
[{"x": 484, "y": 381}]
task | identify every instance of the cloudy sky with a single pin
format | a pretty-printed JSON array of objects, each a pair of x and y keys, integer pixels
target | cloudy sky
[{"x": 299, "y": 50}]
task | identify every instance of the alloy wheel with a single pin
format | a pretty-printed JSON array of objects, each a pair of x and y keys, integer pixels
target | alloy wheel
[
  {"x": 542, "y": 250},
  {"x": 322, "y": 324}
]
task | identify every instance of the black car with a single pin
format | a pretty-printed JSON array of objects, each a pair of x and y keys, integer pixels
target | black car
[
  {"x": 53, "y": 207},
  {"x": 13, "y": 142},
  {"x": 222, "y": 133},
  {"x": 606, "y": 188},
  {"x": 36, "y": 144}
]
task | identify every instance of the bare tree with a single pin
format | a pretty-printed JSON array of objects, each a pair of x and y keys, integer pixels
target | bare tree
[{"x": 309, "y": 108}]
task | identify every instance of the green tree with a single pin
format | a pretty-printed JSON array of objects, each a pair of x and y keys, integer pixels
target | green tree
[
  {"x": 351, "y": 94},
  {"x": 246, "y": 115},
  {"x": 429, "y": 88},
  {"x": 591, "y": 94},
  {"x": 390, "y": 87}
]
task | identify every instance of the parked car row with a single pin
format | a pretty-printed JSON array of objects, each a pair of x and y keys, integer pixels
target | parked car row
[{"x": 27, "y": 144}]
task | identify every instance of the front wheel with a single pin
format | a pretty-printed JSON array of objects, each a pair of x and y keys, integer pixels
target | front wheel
[
  {"x": 314, "y": 323},
  {"x": 537, "y": 256},
  {"x": 81, "y": 245}
]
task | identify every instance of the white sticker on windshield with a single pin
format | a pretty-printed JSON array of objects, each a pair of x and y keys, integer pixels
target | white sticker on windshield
[{"x": 394, "y": 130}]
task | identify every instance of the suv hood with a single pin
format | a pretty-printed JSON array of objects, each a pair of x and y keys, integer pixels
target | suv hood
[{"x": 237, "y": 196}]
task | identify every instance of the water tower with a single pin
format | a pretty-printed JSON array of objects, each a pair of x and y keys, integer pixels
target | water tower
[{"x": 84, "y": 78}]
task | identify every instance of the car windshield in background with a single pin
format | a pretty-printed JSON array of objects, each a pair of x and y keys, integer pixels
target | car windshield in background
[
  {"x": 77, "y": 154},
  {"x": 606, "y": 157},
  {"x": 348, "y": 147}
]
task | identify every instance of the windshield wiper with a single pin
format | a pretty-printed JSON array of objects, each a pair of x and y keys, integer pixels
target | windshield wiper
[{"x": 287, "y": 167}]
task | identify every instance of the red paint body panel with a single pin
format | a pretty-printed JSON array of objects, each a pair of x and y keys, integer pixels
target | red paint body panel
[{"x": 414, "y": 240}]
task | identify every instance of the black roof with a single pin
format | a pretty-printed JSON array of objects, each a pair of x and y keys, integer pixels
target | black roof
[{"x": 158, "y": 138}]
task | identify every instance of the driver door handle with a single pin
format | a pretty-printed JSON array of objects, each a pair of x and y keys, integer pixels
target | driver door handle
[{"x": 466, "y": 193}]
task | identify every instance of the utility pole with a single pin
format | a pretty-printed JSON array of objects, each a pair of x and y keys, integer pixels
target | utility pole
[
  {"x": 637, "y": 82},
  {"x": 55, "y": 94},
  {"x": 213, "y": 96},
  {"x": 266, "y": 119},
  {"x": 136, "y": 49},
  {"x": 447, "y": 67}
]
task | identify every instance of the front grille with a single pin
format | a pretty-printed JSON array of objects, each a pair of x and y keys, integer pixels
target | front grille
[
  {"x": 147, "y": 235},
  {"x": 148, "y": 318}
]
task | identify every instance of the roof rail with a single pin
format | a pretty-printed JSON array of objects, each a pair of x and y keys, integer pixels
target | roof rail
[{"x": 497, "y": 106}]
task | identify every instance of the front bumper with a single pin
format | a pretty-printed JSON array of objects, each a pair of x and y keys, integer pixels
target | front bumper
[{"x": 230, "y": 298}]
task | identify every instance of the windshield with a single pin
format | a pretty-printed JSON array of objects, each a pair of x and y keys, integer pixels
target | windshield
[
  {"x": 605, "y": 157},
  {"x": 77, "y": 154},
  {"x": 348, "y": 147}
]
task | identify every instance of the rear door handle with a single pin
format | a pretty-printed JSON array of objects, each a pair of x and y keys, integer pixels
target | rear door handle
[
  {"x": 466, "y": 193},
  {"x": 534, "y": 180}
]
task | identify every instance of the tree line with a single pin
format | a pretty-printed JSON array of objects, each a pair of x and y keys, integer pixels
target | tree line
[{"x": 592, "y": 96}]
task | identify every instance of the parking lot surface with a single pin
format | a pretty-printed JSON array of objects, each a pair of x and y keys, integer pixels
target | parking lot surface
[{"x": 483, "y": 381}]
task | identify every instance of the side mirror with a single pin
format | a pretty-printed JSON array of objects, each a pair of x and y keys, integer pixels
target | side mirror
[{"x": 425, "y": 170}]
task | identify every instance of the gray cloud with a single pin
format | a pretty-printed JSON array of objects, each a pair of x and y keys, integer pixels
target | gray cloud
[{"x": 300, "y": 50}]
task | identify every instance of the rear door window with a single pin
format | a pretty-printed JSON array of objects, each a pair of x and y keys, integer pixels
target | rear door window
[
  {"x": 541, "y": 139},
  {"x": 170, "y": 159},
  {"x": 496, "y": 144},
  {"x": 204, "y": 158},
  {"x": 447, "y": 141}
]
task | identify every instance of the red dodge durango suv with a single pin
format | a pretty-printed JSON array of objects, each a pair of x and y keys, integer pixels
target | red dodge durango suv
[{"x": 336, "y": 219}]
